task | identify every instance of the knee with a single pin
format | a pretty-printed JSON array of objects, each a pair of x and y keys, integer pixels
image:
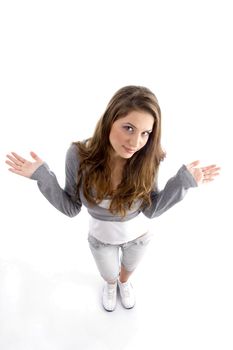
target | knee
[
  {"x": 109, "y": 278},
  {"x": 129, "y": 268}
]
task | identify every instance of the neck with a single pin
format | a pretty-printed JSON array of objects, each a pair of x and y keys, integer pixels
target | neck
[{"x": 117, "y": 162}]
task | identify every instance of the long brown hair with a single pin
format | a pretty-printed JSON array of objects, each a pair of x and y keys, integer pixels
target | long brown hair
[{"x": 140, "y": 171}]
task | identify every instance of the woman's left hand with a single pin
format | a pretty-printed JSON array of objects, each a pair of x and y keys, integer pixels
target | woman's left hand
[{"x": 203, "y": 174}]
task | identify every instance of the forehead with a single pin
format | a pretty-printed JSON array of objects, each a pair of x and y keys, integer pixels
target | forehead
[{"x": 140, "y": 119}]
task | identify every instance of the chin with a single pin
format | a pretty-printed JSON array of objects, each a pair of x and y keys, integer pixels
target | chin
[{"x": 127, "y": 156}]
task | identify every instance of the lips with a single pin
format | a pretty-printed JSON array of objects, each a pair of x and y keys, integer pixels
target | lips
[{"x": 129, "y": 150}]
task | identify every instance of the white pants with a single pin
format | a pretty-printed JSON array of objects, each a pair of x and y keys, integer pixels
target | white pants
[{"x": 108, "y": 258}]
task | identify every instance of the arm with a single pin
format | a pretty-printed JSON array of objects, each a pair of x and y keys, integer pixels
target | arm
[
  {"x": 63, "y": 200},
  {"x": 173, "y": 192},
  {"x": 188, "y": 176}
]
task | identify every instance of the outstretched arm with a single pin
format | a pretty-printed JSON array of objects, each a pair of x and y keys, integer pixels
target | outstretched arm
[
  {"x": 176, "y": 188},
  {"x": 61, "y": 199}
]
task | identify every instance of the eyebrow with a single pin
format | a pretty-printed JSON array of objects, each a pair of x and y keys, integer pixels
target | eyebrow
[{"x": 150, "y": 130}]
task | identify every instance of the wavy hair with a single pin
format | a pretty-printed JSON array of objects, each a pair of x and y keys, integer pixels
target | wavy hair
[{"x": 140, "y": 172}]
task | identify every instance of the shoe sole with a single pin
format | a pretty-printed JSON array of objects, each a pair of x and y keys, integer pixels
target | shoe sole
[
  {"x": 128, "y": 308},
  {"x": 108, "y": 309}
]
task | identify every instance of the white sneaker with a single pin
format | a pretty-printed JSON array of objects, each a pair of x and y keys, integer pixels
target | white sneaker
[
  {"x": 109, "y": 296},
  {"x": 127, "y": 294}
]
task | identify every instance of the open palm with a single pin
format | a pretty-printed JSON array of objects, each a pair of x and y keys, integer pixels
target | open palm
[
  {"x": 203, "y": 174},
  {"x": 21, "y": 166}
]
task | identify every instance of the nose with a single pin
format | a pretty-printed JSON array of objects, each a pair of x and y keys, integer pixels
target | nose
[{"x": 135, "y": 141}]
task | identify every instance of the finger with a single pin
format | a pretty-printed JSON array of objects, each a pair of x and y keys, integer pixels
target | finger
[
  {"x": 13, "y": 165},
  {"x": 15, "y": 171},
  {"x": 213, "y": 166},
  {"x": 14, "y": 160},
  {"x": 209, "y": 177},
  {"x": 216, "y": 169},
  {"x": 193, "y": 164},
  {"x": 35, "y": 156},
  {"x": 207, "y": 180},
  {"x": 17, "y": 156},
  {"x": 213, "y": 173},
  {"x": 208, "y": 173}
]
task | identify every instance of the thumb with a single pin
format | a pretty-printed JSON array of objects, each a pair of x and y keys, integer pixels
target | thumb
[
  {"x": 193, "y": 164},
  {"x": 35, "y": 156}
]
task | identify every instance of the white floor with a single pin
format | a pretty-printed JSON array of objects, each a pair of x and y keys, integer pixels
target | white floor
[{"x": 50, "y": 290}]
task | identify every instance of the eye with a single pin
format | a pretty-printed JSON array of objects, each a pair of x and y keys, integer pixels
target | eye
[
  {"x": 146, "y": 133},
  {"x": 128, "y": 128}
]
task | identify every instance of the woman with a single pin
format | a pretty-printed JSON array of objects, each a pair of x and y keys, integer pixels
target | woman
[{"x": 114, "y": 174}]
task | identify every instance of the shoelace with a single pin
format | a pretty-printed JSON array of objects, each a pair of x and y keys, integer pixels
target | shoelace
[{"x": 111, "y": 292}]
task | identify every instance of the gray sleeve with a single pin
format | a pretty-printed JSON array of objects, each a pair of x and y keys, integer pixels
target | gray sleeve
[
  {"x": 173, "y": 192},
  {"x": 61, "y": 199}
]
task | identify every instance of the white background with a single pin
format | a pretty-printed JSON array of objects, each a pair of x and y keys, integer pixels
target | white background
[{"x": 60, "y": 63}]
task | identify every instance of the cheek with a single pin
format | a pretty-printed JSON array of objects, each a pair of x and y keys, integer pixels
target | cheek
[
  {"x": 143, "y": 143},
  {"x": 115, "y": 136}
]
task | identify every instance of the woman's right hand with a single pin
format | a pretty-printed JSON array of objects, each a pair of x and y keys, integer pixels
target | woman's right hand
[{"x": 21, "y": 166}]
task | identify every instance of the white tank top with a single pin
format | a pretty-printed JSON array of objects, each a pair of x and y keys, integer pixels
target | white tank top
[{"x": 114, "y": 232}]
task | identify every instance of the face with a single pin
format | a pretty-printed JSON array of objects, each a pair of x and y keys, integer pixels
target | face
[{"x": 129, "y": 134}]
